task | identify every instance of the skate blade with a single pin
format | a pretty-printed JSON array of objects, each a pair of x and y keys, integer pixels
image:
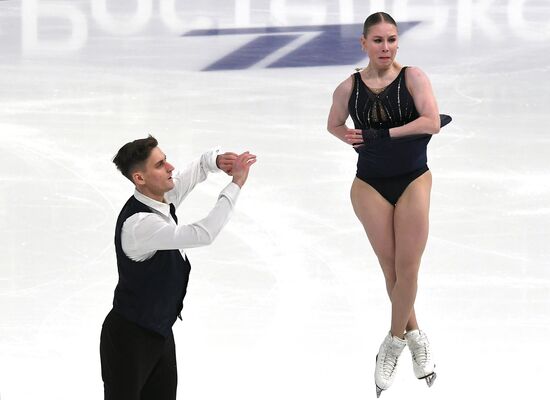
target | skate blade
[
  {"x": 378, "y": 390},
  {"x": 430, "y": 379}
]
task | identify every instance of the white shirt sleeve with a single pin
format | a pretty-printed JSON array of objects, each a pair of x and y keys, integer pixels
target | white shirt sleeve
[
  {"x": 187, "y": 178},
  {"x": 145, "y": 233}
]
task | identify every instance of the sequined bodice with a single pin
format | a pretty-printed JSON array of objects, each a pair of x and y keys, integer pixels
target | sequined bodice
[{"x": 392, "y": 106}]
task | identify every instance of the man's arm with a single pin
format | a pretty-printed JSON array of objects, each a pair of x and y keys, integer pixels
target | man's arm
[
  {"x": 187, "y": 178},
  {"x": 145, "y": 233}
]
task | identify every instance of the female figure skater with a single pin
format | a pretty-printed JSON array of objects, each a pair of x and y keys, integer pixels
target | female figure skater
[{"x": 395, "y": 114}]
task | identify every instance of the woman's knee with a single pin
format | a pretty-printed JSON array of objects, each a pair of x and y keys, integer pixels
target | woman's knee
[
  {"x": 388, "y": 268},
  {"x": 407, "y": 269}
]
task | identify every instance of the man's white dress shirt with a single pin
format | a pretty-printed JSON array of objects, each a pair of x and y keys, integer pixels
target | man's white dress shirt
[{"x": 145, "y": 233}]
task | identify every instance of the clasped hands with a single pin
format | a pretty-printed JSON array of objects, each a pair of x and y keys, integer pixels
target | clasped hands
[
  {"x": 236, "y": 165},
  {"x": 226, "y": 161}
]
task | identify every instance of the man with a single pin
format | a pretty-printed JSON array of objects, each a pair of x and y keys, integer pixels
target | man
[{"x": 138, "y": 359}]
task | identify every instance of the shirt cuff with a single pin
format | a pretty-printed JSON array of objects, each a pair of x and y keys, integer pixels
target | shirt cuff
[
  {"x": 231, "y": 192},
  {"x": 210, "y": 157}
]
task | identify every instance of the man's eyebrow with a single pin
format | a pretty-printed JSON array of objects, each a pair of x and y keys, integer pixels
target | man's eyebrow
[{"x": 160, "y": 161}]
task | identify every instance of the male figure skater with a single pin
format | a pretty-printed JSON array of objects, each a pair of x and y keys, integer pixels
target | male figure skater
[{"x": 138, "y": 358}]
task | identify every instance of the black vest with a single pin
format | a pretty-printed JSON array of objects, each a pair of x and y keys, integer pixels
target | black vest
[{"x": 149, "y": 293}]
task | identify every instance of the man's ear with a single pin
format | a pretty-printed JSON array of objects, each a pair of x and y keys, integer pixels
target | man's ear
[{"x": 137, "y": 178}]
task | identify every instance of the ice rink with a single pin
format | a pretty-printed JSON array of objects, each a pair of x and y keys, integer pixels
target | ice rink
[{"x": 289, "y": 302}]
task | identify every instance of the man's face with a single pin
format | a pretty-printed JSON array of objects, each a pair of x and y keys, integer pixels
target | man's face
[{"x": 155, "y": 178}]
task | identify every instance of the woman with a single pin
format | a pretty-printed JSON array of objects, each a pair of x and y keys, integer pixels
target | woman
[{"x": 395, "y": 113}]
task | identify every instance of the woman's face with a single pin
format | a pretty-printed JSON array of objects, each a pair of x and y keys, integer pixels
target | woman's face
[{"x": 381, "y": 44}]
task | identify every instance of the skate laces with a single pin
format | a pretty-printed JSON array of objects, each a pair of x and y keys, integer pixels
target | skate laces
[
  {"x": 390, "y": 360},
  {"x": 420, "y": 350}
]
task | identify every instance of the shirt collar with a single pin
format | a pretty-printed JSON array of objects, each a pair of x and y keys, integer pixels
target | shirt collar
[{"x": 163, "y": 208}]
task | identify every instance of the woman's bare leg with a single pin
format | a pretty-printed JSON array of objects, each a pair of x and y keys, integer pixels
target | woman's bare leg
[
  {"x": 377, "y": 217},
  {"x": 411, "y": 227}
]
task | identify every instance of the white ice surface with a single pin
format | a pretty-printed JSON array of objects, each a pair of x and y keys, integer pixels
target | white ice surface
[{"x": 289, "y": 302}]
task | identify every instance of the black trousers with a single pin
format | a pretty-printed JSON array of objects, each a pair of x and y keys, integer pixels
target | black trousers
[{"x": 136, "y": 364}]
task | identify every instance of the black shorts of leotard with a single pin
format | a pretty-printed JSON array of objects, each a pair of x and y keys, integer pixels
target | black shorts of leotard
[{"x": 391, "y": 188}]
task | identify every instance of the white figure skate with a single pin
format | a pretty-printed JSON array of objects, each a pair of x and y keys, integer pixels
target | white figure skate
[
  {"x": 386, "y": 362},
  {"x": 423, "y": 364}
]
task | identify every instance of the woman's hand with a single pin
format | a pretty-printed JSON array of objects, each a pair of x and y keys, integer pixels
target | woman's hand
[{"x": 354, "y": 137}]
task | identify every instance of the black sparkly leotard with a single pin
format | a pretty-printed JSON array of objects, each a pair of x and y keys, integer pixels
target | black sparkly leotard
[{"x": 388, "y": 165}]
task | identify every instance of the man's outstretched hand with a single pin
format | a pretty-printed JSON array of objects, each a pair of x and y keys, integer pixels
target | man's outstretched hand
[{"x": 241, "y": 166}]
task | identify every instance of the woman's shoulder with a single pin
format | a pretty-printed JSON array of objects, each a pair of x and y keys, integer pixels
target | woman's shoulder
[
  {"x": 414, "y": 73},
  {"x": 346, "y": 86},
  {"x": 416, "y": 79}
]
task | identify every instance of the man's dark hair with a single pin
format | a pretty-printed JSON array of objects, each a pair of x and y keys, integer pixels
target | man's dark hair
[
  {"x": 375, "y": 19},
  {"x": 133, "y": 154}
]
